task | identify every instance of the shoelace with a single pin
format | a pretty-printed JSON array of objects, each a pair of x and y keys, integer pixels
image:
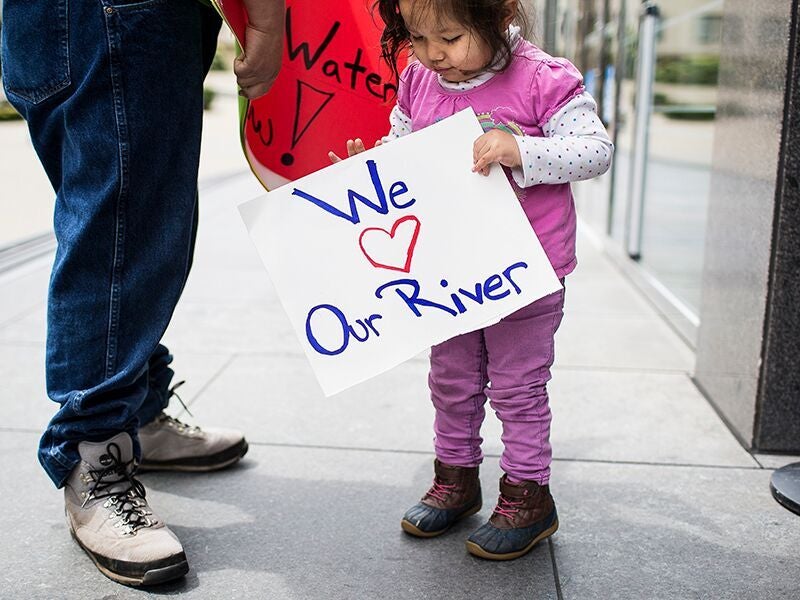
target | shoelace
[
  {"x": 172, "y": 421},
  {"x": 179, "y": 425},
  {"x": 440, "y": 491},
  {"x": 131, "y": 506},
  {"x": 171, "y": 392},
  {"x": 506, "y": 507}
]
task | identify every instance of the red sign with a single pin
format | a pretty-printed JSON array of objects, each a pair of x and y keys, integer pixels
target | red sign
[{"x": 333, "y": 86}]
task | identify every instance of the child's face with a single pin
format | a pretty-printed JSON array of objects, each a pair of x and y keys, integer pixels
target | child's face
[{"x": 444, "y": 45}]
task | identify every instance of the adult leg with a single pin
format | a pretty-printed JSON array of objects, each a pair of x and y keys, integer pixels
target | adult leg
[
  {"x": 160, "y": 375},
  {"x": 112, "y": 92},
  {"x": 119, "y": 137}
]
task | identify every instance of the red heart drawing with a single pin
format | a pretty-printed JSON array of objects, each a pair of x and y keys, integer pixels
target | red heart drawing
[{"x": 393, "y": 253}]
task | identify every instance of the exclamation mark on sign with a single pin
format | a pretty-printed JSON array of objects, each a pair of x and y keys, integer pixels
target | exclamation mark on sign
[{"x": 310, "y": 102}]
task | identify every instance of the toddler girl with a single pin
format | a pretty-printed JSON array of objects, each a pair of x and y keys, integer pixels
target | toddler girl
[{"x": 542, "y": 127}]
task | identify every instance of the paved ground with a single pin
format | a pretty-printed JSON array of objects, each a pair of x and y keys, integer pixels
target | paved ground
[{"x": 656, "y": 497}]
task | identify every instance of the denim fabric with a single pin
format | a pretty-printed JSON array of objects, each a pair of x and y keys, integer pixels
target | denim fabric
[
  {"x": 112, "y": 93},
  {"x": 510, "y": 362}
]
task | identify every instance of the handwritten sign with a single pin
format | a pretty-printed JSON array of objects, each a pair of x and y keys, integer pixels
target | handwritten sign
[
  {"x": 332, "y": 87},
  {"x": 380, "y": 256}
]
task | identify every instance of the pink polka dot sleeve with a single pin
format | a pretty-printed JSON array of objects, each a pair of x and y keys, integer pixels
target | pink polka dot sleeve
[{"x": 575, "y": 147}]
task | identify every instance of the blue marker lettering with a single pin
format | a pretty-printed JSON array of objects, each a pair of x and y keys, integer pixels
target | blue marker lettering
[
  {"x": 381, "y": 206},
  {"x": 413, "y": 300},
  {"x": 345, "y": 330},
  {"x": 507, "y": 273},
  {"x": 495, "y": 283},
  {"x": 398, "y": 189}
]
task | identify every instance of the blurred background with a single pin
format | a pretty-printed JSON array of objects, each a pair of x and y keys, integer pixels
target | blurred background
[{"x": 602, "y": 37}]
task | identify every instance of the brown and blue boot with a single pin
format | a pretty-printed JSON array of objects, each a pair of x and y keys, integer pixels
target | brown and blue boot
[
  {"x": 454, "y": 495},
  {"x": 525, "y": 515}
]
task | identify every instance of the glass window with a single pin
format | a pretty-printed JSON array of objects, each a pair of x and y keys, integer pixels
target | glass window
[
  {"x": 681, "y": 135},
  {"x": 709, "y": 30}
]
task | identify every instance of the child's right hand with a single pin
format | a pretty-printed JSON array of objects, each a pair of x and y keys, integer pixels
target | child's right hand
[{"x": 354, "y": 147}]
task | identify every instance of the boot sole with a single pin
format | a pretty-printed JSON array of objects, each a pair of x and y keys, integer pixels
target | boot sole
[
  {"x": 412, "y": 529},
  {"x": 199, "y": 464},
  {"x": 168, "y": 569},
  {"x": 476, "y": 550}
]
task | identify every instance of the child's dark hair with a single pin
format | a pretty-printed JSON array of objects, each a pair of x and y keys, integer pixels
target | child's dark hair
[{"x": 487, "y": 19}]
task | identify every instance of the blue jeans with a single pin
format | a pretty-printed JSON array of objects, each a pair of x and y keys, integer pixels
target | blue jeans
[{"x": 112, "y": 93}]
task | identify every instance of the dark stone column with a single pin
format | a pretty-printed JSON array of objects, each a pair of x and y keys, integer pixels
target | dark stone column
[{"x": 777, "y": 425}]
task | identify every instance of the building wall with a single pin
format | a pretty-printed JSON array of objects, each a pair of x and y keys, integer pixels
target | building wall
[
  {"x": 702, "y": 34},
  {"x": 738, "y": 249}
]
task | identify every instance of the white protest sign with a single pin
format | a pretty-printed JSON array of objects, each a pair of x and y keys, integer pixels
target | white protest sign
[{"x": 382, "y": 255}]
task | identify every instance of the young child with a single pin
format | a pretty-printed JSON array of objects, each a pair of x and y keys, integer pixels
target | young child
[{"x": 542, "y": 127}]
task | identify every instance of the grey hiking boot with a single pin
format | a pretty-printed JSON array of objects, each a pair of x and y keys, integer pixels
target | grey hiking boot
[
  {"x": 109, "y": 517},
  {"x": 169, "y": 444}
]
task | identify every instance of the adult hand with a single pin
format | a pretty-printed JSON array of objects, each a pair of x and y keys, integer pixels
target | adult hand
[
  {"x": 260, "y": 62},
  {"x": 495, "y": 146}
]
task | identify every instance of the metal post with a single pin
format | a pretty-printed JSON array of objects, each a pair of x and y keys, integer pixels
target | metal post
[
  {"x": 644, "y": 105},
  {"x": 619, "y": 76},
  {"x": 550, "y": 23},
  {"x": 601, "y": 82}
]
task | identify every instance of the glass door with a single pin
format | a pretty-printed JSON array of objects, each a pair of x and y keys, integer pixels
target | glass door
[{"x": 681, "y": 144}]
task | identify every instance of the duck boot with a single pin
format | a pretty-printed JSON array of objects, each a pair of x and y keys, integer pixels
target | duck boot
[
  {"x": 525, "y": 515},
  {"x": 455, "y": 494}
]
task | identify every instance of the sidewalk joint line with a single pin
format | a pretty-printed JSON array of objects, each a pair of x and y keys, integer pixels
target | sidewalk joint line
[
  {"x": 559, "y": 593},
  {"x": 646, "y": 463},
  {"x": 19, "y": 430},
  {"x": 490, "y": 455},
  {"x": 617, "y": 369},
  {"x": 20, "y": 343},
  {"x": 487, "y": 455},
  {"x": 211, "y": 380}
]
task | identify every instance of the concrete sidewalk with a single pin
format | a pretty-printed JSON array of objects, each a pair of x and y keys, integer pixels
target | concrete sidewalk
[{"x": 656, "y": 498}]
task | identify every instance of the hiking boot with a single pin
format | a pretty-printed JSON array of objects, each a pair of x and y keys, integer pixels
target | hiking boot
[
  {"x": 455, "y": 494},
  {"x": 525, "y": 515},
  {"x": 170, "y": 445},
  {"x": 109, "y": 517}
]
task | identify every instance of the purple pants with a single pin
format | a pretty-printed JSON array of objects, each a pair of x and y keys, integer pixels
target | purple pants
[{"x": 510, "y": 363}]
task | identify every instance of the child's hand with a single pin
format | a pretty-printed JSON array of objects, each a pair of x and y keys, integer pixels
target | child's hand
[
  {"x": 495, "y": 146},
  {"x": 354, "y": 147}
]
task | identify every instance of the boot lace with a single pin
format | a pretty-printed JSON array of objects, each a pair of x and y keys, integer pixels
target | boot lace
[
  {"x": 172, "y": 421},
  {"x": 125, "y": 495},
  {"x": 507, "y": 507},
  {"x": 171, "y": 392},
  {"x": 440, "y": 490},
  {"x": 179, "y": 425}
]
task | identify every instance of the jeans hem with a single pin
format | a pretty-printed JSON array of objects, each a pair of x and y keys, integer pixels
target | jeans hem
[{"x": 57, "y": 465}]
